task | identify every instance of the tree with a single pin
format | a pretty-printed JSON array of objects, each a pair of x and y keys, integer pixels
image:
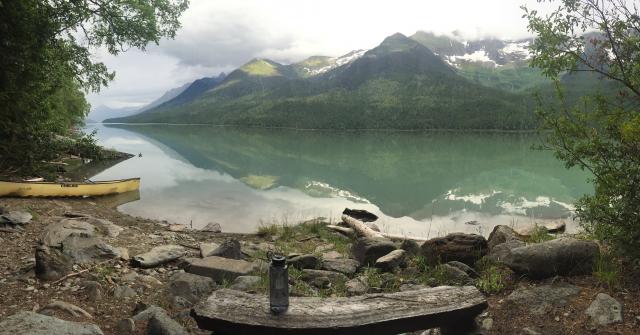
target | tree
[
  {"x": 601, "y": 132},
  {"x": 46, "y": 66}
]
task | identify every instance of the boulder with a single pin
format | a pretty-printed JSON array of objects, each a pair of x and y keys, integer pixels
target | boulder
[
  {"x": 304, "y": 261},
  {"x": 391, "y": 261},
  {"x": 465, "y": 248},
  {"x": 88, "y": 249},
  {"x": 162, "y": 324},
  {"x": 539, "y": 300},
  {"x": 212, "y": 227},
  {"x": 454, "y": 275},
  {"x": 219, "y": 268},
  {"x": 367, "y": 250},
  {"x": 124, "y": 292},
  {"x": 556, "y": 226},
  {"x": 51, "y": 263},
  {"x": 190, "y": 286},
  {"x": 356, "y": 286},
  {"x": 207, "y": 248},
  {"x": 230, "y": 248},
  {"x": 125, "y": 327},
  {"x": 563, "y": 256},
  {"x": 93, "y": 290},
  {"x": 158, "y": 255},
  {"x": 360, "y": 214},
  {"x": 57, "y": 232},
  {"x": 464, "y": 267},
  {"x": 501, "y": 251},
  {"x": 410, "y": 246},
  {"x": 107, "y": 227},
  {"x": 604, "y": 310},
  {"x": 309, "y": 275},
  {"x": 245, "y": 283},
  {"x": 500, "y": 234},
  {"x": 343, "y": 265},
  {"x": 331, "y": 255},
  {"x": 17, "y": 217},
  {"x": 31, "y": 323}
]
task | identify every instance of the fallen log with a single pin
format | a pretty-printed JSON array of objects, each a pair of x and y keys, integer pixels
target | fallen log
[
  {"x": 362, "y": 229},
  {"x": 453, "y": 309}
]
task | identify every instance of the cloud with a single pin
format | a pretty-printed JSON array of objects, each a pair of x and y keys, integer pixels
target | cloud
[{"x": 219, "y": 35}]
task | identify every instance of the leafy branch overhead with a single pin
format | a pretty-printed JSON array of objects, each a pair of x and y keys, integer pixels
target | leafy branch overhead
[{"x": 595, "y": 129}]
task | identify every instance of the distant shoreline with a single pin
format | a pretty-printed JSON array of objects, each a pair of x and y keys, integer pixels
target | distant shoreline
[{"x": 451, "y": 130}]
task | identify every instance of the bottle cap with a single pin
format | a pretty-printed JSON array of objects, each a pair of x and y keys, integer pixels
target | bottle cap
[{"x": 278, "y": 260}]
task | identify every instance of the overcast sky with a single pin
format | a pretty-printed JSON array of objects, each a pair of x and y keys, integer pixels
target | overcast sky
[{"x": 220, "y": 35}]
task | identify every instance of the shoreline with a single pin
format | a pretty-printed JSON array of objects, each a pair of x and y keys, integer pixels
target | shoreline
[{"x": 123, "y": 287}]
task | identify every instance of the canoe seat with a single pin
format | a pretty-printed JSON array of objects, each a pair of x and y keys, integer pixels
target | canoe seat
[{"x": 452, "y": 309}]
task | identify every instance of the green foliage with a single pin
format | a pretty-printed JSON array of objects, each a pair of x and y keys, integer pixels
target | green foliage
[
  {"x": 607, "y": 271},
  {"x": 539, "y": 234},
  {"x": 599, "y": 132},
  {"x": 492, "y": 277},
  {"x": 45, "y": 67}
]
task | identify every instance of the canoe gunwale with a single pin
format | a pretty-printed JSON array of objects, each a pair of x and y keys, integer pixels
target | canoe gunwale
[{"x": 103, "y": 182}]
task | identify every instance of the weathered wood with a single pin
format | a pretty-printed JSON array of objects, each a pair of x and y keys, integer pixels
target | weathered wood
[
  {"x": 362, "y": 229},
  {"x": 234, "y": 312}
]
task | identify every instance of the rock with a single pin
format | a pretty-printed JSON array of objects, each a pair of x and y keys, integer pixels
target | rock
[
  {"x": 464, "y": 267},
  {"x": 391, "y": 260},
  {"x": 304, "y": 262},
  {"x": 125, "y": 327},
  {"x": 230, "y": 248},
  {"x": 502, "y": 251},
  {"x": 331, "y": 255},
  {"x": 57, "y": 232},
  {"x": 87, "y": 249},
  {"x": 124, "y": 292},
  {"x": 349, "y": 232},
  {"x": 93, "y": 290},
  {"x": 190, "y": 286},
  {"x": 245, "y": 283},
  {"x": 176, "y": 227},
  {"x": 367, "y": 250},
  {"x": 410, "y": 246},
  {"x": 529, "y": 331},
  {"x": 343, "y": 265},
  {"x": 540, "y": 299},
  {"x": 124, "y": 253},
  {"x": 17, "y": 217},
  {"x": 324, "y": 247},
  {"x": 207, "y": 248},
  {"x": 158, "y": 255},
  {"x": 360, "y": 214},
  {"x": 556, "y": 226},
  {"x": 320, "y": 282},
  {"x": 487, "y": 323},
  {"x": 465, "y": 248},
  {"x": 180, "y": 303},
  {"x": 309, "y": 275},
  {"x": 212, "y": 227},
  {"x": 454, "y": 275},
  {"x": 356, "y": 286},
  {"x": 129, "y": 277},
  {"x": 219, "y": 268},
  {"x": 70, "y": 309},
  {"x": 51, "y": 263},
  {"x": 563, "y": 256},
  {"x": 145, "y": 313},
  {"x": 106, "y": 227},
  {"x": 604, "y": 310},
  {"x": 501, "y": 234},
  {"x": 31, "y": 323},
  {"x": 162, "y": 324},
  {"x": 149, "y": 280}
]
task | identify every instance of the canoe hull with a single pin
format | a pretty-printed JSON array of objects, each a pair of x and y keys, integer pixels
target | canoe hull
[{"x": 67, "y": 189}]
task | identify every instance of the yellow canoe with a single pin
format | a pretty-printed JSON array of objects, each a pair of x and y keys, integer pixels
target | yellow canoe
[{"x": 67, "y": 189}]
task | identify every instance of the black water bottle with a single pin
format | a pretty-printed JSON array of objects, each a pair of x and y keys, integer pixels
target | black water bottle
[{"x": 278, "y": 285}]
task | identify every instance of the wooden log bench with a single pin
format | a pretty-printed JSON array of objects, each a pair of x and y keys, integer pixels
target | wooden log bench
[{"x": 452, "y": 309}]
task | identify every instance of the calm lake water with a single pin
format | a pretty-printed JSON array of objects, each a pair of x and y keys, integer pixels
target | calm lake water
[{"x": 422, "y": 184}]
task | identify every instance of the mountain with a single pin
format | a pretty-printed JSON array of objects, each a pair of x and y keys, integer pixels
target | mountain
[
  {"x": 400, "y": 84},
  {"x": 490, "y": 62},
  {"x": 168, "y": 95},
  {"x": 103, "y": 112}
]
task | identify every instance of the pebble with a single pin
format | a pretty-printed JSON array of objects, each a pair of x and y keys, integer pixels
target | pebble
[
  {"x": 557, "y": 318},
  {"x": 46, "y": 285},
  {"x": 29, "y": 288}
]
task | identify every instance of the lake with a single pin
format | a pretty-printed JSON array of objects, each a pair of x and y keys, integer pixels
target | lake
[{"x": 420, "y": 183}]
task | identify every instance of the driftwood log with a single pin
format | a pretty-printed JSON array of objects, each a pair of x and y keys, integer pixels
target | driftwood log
[
  {"x": 453, "y": 309},
  {"x": 363, "y": 230}
]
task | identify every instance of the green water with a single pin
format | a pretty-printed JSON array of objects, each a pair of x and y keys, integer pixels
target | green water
[{"x": 424, "y": 183}]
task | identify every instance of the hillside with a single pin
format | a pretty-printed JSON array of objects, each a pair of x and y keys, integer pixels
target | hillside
[{"x": 400, "y": 84}]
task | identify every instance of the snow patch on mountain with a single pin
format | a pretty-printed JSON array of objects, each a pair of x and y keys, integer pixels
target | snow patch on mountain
[
  {"x": 480, "y": 56},
  {"x": 520, "y": 49},
  {"x": 337, "y": 62}
]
